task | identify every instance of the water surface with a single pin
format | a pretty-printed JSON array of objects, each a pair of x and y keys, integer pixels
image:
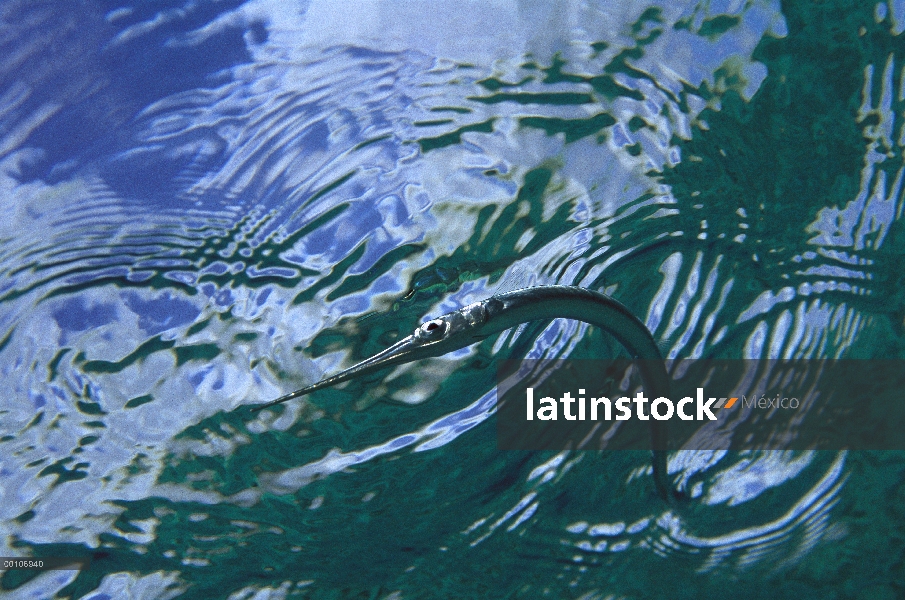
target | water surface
[{"x": 209, "y": 204}]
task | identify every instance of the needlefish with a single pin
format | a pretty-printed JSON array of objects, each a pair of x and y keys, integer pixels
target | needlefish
[{"x": 479, "y": 320}]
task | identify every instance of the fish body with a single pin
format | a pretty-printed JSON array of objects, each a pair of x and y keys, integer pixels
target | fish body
[{"x": 480, "y": 320}]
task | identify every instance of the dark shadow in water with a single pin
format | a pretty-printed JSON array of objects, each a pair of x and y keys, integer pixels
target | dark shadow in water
[{"x": 797, "y": 147}]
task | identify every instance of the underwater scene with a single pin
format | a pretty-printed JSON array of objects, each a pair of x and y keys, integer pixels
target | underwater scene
[{"x": 205, "y": 205}]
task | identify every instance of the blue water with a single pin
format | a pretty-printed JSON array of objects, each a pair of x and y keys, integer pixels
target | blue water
[{"x": 209, "y": 204}]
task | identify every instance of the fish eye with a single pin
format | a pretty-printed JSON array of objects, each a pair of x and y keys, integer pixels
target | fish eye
[{"x": 433, "y": 328}]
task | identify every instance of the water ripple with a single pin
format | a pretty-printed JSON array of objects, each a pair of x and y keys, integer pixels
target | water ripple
[{"x": 208, "y": 204}]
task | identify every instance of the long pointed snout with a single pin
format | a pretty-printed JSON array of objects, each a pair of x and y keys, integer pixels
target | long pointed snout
[
  {"x": 477, "y": 321},
  {"x": 400, "y": 352}
]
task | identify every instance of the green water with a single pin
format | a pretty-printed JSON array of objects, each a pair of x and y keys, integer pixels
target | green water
[{"x": 737, "y": 217}]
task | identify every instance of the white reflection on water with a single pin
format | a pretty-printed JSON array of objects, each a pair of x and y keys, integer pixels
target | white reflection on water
[{"x": 185, "y": 209}]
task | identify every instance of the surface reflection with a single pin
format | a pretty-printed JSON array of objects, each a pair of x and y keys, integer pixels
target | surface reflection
[{"x": 210, "y": 204}]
